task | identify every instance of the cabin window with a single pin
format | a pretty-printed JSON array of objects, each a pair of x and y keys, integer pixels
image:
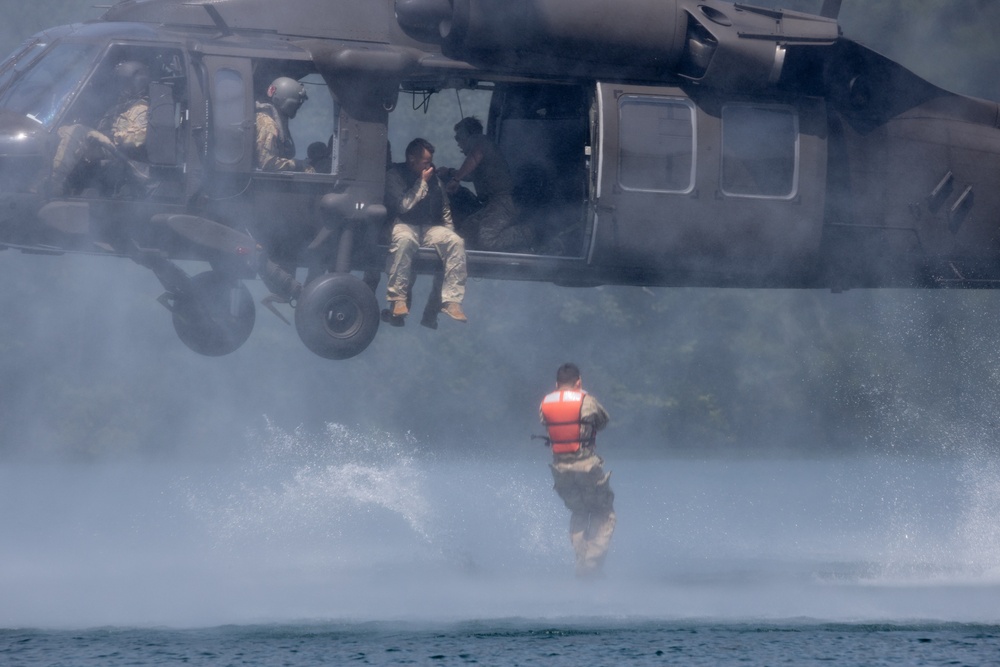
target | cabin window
[
  {"x": 656, "y": 144},
  {"x": 309, "y": 142},
  {"x": 316, "y": 127},
  {"x": 229, "y": 114},
  {"x": 760, "y": 151}
]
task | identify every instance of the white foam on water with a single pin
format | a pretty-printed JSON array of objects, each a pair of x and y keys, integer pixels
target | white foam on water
[{"x": 350, "y": 525}]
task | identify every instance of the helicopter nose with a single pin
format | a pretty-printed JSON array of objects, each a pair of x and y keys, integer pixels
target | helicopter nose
[{"x": 19, "y": 135}]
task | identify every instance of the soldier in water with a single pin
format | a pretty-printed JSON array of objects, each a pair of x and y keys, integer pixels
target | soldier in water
[{"x": 573, "y": 417}]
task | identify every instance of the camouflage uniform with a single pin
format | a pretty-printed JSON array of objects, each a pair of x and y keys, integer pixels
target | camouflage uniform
[
  {"x": 79, "y": 144},
  {"x": 584, "y": 488},
  {"x": 491, "y": 213},
  {"x": 275, "y": 147},
  {"x": 421, "y": 216},
  {"x": 128, "y": 131}
]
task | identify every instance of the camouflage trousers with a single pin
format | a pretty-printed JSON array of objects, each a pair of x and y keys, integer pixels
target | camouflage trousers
[
  {"x": 491, "y": 225},
  {"x": 406, "y": 240},
  {"x": 498, "y": 231},
  {"x": 584, "y": 488}
]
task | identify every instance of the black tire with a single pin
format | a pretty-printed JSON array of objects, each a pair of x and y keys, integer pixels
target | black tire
[
  {"x": 337, "y": 316},
  {"x": 216, "y": 316}
]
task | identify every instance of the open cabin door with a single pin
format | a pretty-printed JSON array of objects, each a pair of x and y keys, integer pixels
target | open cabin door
[{"x": 696, "y": 190}]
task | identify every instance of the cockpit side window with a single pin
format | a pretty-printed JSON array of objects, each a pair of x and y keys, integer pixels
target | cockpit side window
[
  {"x": 41, "y": 92},
  {"x": 121, "y": 135},
  {"x": 317, "y": 127},
  {"x": 125, "y": 74}
]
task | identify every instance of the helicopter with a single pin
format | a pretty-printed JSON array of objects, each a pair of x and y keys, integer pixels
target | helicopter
[{"x": 652, "y": 143}]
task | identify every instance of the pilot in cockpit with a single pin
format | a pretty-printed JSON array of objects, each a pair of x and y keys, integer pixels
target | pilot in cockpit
[{"x": 117, "y": 146}]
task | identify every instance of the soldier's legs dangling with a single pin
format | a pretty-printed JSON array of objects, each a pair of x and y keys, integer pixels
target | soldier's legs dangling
[
  {"x": 403, "y": 247},
  {"x": 451, "y": 249},
  {"x": 433, "y": 307}
]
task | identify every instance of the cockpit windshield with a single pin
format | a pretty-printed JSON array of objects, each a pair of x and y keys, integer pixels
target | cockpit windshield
[
  {"x": 42, "y": 89},
  {"x": 20, "y": 60}
]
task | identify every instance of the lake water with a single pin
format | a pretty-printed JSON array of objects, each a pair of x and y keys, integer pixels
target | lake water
[{"x": 340, "y": 546}]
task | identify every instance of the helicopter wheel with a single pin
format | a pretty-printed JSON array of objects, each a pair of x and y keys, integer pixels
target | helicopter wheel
[
  {"x": 337, "y": 316},
  {"x": 216, "y": 317}
]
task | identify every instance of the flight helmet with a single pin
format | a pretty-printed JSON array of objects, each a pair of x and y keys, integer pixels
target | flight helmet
[
  {"x": 287, "y": 95},
  {"x": 132, "y": 76}
]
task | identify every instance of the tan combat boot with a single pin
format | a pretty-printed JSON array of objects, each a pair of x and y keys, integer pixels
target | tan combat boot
[{"x": 454, "y": 311}]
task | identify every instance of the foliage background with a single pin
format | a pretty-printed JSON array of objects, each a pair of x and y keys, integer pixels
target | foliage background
[{"x": 91, "y": 368}]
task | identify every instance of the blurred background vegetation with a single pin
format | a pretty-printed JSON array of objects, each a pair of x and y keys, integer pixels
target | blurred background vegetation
[{"x": 91, "y": 367}]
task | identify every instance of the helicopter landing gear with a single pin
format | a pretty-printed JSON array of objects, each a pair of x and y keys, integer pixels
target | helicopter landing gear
[
  {"x": 214, "y": 316},
  {"x": 337, "y": 316}
]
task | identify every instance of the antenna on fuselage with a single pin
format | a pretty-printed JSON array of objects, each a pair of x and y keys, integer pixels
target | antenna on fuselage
[
  {"x": 831, "y": 9},
  {"x": 216, "y": 18}
]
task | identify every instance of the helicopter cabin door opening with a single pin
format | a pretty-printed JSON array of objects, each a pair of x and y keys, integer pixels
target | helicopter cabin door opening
[
  {"x": 541, "y": 131},
  {"x": 544, "y": 135}
]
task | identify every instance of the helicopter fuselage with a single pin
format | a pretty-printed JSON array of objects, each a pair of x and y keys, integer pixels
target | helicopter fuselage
[{"x": 650, "y": 143}]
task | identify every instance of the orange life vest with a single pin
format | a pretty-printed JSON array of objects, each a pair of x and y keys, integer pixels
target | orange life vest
[{"x": 562, "y": 410}]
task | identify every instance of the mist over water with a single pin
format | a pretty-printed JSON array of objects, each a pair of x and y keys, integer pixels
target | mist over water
[
  {"x": 354, "y": 526},
  {"x": 230, "y": 513}
]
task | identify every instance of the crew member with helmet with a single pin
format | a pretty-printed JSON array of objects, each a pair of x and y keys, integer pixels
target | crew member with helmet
[
  {"x": 275, "y": 147},
  {"x": 118, "y": 143},
  {"x": 573, "y": 417}
]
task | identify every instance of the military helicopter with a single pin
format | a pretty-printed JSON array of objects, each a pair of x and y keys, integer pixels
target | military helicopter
[{"x": 653, "y": 142}]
